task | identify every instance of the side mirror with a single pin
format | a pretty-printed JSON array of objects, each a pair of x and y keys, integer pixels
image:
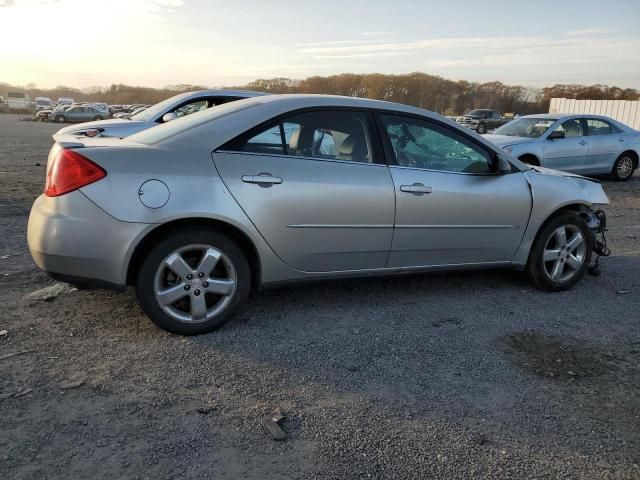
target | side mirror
[
  {"x": 556, "y": 135},
  {"x": 168, "y": 117},
  {"x": 503, "y": 165}
]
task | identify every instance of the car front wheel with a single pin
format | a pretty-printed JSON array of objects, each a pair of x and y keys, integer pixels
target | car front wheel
[
  {"x": 193, "y": 281},
  {"x": 482, "y": 129},
  {"x": 561, "y": 253},
  {"x": 60, "y": 119}
]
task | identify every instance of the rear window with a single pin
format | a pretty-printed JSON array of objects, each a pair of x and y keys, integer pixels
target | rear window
[{"x": 167, "y": 130}]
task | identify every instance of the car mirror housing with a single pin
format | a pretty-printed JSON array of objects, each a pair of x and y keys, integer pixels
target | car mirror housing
[
  {"x": 168, "y": 117},
  {"x": 503, "y": 165},
  {"x": 555, "y": 135}
]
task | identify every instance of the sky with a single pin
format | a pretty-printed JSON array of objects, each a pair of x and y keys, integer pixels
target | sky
[{"x": 85, "y": 43}]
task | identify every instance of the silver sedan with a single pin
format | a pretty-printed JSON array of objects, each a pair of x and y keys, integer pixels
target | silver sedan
[
  {"x": 199, "y": 212},
  {"x": 584, "y": 144}
]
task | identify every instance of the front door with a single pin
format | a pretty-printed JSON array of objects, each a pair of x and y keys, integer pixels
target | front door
[
  {"x": 311, "y": 186},
  {"x": 450, "y": 208},
  {"x": 569, "y": 153}
]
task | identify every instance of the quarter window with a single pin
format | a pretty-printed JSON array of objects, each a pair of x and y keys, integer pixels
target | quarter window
[
  {"x": 327, "y": 135},
  {"x": 420, "y": 144}
]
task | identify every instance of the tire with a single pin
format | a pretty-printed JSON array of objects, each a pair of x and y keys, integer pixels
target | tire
[
  {"x": 623, "y": 168},
  {"x": 482, "y": 128},
  {"x": 97, "y": 117},
  {"x": 185, "y": 315},
  {"x": 548, "y": 242},
  {"x": 60, "y": 119}
]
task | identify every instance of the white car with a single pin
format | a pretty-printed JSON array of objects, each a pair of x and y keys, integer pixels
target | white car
[{"x": 165, "y": 111}]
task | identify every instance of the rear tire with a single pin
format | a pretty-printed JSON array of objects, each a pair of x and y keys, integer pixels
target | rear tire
[
  {"x": 60, "y": 119},
  {"x": 203, "y": 302},
  {"x": 558, "y": 261},
  {"x": 623, "y": 168},
  {"x": 97, "y": 117}
]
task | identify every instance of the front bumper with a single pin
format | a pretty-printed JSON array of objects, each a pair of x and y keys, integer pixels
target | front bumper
[{"x": 70, "y": 237}]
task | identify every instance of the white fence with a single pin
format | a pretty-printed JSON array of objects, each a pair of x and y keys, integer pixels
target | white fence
[{"x": 627, "y": 112}]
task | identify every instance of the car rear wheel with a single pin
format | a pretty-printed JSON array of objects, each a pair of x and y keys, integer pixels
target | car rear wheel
[
  {"x": 561, "y": 253},
  {"x": 60, "y": 119},
  {"x": 193, "y": 281},
  {"x": 482, "y": 128},
  {"x": 623, "y": 168},
  {"x": 97, "y": 117}
]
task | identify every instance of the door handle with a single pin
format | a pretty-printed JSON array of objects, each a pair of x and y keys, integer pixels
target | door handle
[
  {"x": 416, "y": 188},
  {"x": 621, "y": 139},
  {"x": 582, "y": 142},
  {"x": 263, "y": 178}
]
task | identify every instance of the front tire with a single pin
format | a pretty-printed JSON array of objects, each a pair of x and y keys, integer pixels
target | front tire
[
  {"x": 561, "y": 253},
  {"x": 623, "y": 168},
  {"x": 482, "y": 128},
  {"x": 60, "y": 119},
  {"x": 97, "y": 117},
  {"x": 193, "y": 281}
]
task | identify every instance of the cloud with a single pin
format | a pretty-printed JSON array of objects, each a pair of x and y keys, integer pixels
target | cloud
[
  {"x": 7, "y": 3},
  {"x": 589, "y": 31},
  {"x": 336, "y": 42},
  {"x": 375, "y": 34}
]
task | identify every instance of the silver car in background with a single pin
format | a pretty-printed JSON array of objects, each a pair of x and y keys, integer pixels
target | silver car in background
[
  {"x": 198, "y": 212},
  {"x": 165, "y": 111},
  {"x": 77, "y": 113},
  {"x": 583, "y": 144}
]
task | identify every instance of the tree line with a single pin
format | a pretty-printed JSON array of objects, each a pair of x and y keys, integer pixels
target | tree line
[{"x": 432, "y": 92}]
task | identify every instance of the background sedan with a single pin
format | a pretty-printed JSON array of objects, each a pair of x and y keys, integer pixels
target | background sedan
[
  {"x": 78, "y": 113},
  {"x": 584, "y": 144}
]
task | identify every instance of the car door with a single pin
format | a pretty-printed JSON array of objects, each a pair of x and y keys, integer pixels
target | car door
[
  {"x": 569, "y": 153},
  {"x": 450, "y": 208},
  {"x": 606, "y": 143},
  {"x": 73, "y": 114},
  {"x": 316, "y": 188}
]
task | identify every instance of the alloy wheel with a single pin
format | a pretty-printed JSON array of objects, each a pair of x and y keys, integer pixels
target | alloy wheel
[
  {"x": 195, "y": 283},
  {"x": 564, "y": 253},
  {"x": 625, "y": 167}
]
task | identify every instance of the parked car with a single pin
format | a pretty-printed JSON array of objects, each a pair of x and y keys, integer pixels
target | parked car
[
  {"x": 482, "y": 120},
  {"x": 585, "y": 144},
  {"x": 19, "y": 101},
  {"x": 42, "y": 103},
  {"x": 165, "y": 111},
  {"x": 4, "y": 106},
  {"x": 399, "y": 190},
  {"x": 77, "y": 113}
]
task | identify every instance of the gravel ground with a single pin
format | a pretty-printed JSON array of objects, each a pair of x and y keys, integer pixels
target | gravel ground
[{"x": 466, "y": 375}]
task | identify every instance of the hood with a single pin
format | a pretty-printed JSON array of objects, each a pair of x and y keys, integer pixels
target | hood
[
  {"x": 558, "y": 173},
  {"x": 503, "y": 140}
]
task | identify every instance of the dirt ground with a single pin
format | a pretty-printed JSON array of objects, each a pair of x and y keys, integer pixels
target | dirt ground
[{"x": 466, "y": 375}]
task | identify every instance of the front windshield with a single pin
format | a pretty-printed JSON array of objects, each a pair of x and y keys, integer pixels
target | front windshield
[
  {"x": 159, "y": 108},
  {"x": 525, "y": 127},
  {"x": 476, "y": 113}
]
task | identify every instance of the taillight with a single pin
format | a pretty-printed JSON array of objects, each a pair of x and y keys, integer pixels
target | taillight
[{"x": 70, "y": 171}]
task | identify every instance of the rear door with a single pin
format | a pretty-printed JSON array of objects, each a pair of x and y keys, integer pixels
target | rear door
[
  {"x": 606, "y": 143},
  {"x": 569, "y": 153},
  {"x": 450, "y": 208},
  {"x": 316, "y": 187}
]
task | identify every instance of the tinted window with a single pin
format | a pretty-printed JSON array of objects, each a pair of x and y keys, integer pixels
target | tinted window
[
  {"x": 420, "y": 144},
  {"x": 600, "y": 127},
  {"x": 328, "y": 135},
  {"x": 571, "y": 128}
]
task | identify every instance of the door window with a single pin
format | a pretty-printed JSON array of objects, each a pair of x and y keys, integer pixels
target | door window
[
  {"x": 420, "y": 144},
  {"x": 190, "y": 108},
  {"x": 327, "y": 135},
  {"x": 600, "y": 127},
  {"x": 571, "y": 128}
]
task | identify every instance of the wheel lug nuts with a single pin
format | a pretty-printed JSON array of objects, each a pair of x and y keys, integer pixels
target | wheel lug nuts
[
  {"x": 200, "y": 275},
  {"x": 187, "y": 288},
  {"x": 196, "y": 292},
  {"x": 189, "y": 277},
  {"x": 205, "y": 284}
]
